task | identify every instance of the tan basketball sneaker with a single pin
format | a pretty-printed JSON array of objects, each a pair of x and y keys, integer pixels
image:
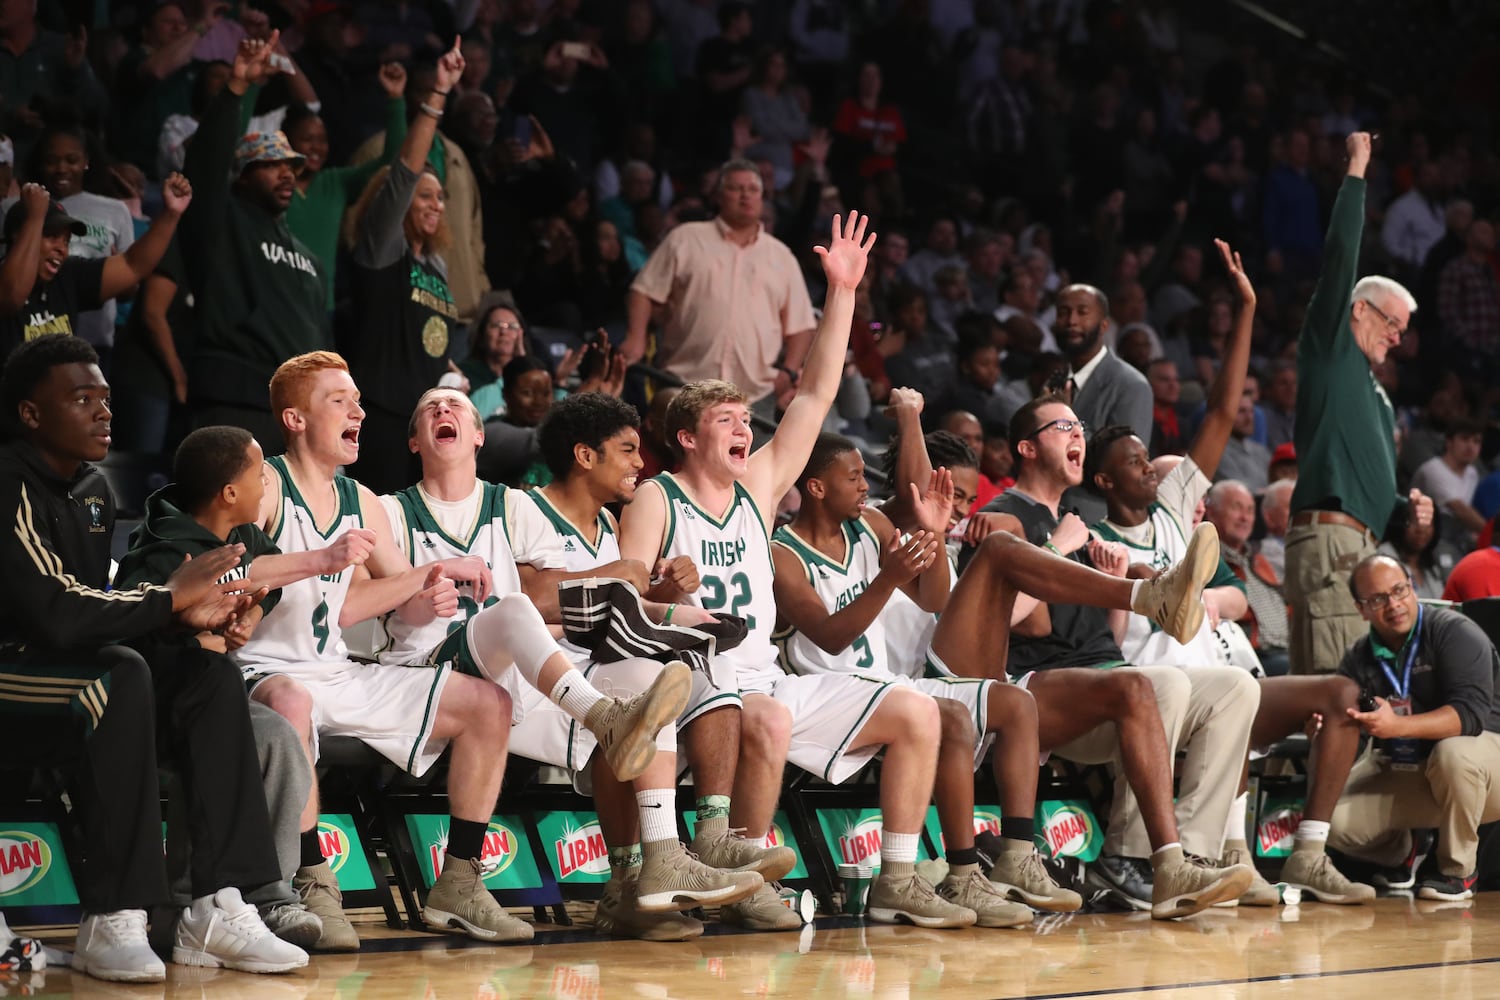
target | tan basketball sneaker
[
  {"x": 672, "y": 879},
  {"x": 459, "y": 900},
  {"x": 723, "y": 848},
  {"x": 626, "y": 730},
  {"x": 319, "y": 889},
  {"x": 1185, "y": 884},
  {"x": 967, "y": 887},
  {"x": 909, "y": 898},
  {"x": 1261, "y": 892},
  {"x": 618, "y": 916},
  {"x": 762, "y": 911},
  {"x": 1313, "y": 872},
  {"x": 1174, "y": 600},
  {"x": 1022, "y": 877}
]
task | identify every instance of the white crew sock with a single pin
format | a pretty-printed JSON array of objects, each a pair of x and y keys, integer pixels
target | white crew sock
[{"x": 657, "y": 821}]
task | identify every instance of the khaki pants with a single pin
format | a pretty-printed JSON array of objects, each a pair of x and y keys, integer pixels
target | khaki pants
[
  {"x": 1324, "y": 619},
  {"x": 1455, "y": 791},
  {"x": 1206, "y": 712}
]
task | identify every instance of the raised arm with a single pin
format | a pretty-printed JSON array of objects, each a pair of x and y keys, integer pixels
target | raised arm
[
  {"x": 643, "y": 528},
  {"x": 774, "y": 468},
  {"x": 24, "y": 256},
  {"x": 124, "y": 271},
  {"x": 1224, "y": 395},
  {"x": 1325, "y": 321},
  {"x": 913, "y": 465}
]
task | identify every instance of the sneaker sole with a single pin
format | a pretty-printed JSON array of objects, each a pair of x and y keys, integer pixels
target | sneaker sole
[
  {"x": 1384, "y": 883},
  {"x": 120, "y": 975},
  {"x": 1199, "y": 562},
  {"x": 890, "y": 915},
  {"x": 685, "y": 899},
  {"x": 1427, "y": 892},
  {"x": 207, "y": 960},
  {"x": 1229, "y": 887},
  {"x": 1336, "y": 898},
  {"x": 667, "y": 697},
  {"x": 330, "y": 939},
  {"x": 1016, "y": 894},
  {"x": 1099, "y": 882},
  {"x": 443, "y": 920},
  {"x": 305, "y": 936}
]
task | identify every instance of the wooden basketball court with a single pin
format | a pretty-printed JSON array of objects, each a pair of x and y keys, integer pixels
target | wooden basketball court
[{"x": 1398, "y": 947}]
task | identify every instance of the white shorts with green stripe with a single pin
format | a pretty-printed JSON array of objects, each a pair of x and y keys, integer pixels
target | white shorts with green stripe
[{"x": 828, "y": 711}]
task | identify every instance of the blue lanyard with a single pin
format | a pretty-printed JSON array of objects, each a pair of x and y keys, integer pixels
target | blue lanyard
[{"x": 1403, "y": 689}]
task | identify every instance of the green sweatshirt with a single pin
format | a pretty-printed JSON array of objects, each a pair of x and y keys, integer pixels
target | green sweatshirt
[
  {"x": 259, "y": 290},
  {"x": 168, "y": 533},
  {"x": 315, "y": 217},
  {"x": 1346, "y": 451}
]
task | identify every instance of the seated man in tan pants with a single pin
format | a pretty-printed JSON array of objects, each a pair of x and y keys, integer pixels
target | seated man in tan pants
[{"x": 1432, "y": 675}]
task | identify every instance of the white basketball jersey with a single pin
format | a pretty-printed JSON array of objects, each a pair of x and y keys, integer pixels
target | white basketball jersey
[
  {"x": 579, "y": 554},
  {"x": 482, "y": 529},
  {"x": 733, "y": 556},
  {"x": 909, "y": 631},
  {"x": 838, "y": 584},
  {"x": 304, "y": 625}
]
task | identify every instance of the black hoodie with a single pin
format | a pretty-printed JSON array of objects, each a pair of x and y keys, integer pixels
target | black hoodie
[{"x": 168, "y": 533}]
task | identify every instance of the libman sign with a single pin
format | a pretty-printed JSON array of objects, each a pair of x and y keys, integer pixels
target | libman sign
[
  {"x": 853, "y": 836},
  {"x": 504, "y": 850},
  {"x": 1276, "y": 824},
  {"x": 342, "y": 851},
  {"x": 575, "y": 846},
  {"x": 780, "y": 835},
  {"x": 1068, "y": 829},
  {"x": 34, "y": 867}
]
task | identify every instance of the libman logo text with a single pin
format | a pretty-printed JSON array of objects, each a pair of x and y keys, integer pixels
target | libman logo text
[
  {"x": 334, "y": 843},
  {"x": 25, "y": 860},
  {"x": 505, "y": 851},
  {"x": 1068, "y": 829},
  {"x": 581, "y": 850},
  {"x": 497, "y": 852},
  {"x": 986, "y": 822},
  {"x": 1276, "y": 824},
  {"x": 860, "y": 843}
]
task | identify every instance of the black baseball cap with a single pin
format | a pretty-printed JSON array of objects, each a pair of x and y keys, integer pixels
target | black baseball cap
[{"x": 57, "y": 221}]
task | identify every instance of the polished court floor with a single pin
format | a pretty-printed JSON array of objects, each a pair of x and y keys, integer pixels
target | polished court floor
[{"x": 1397, "y": 948}]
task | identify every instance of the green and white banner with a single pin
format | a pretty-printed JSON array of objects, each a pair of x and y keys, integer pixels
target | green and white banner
[
  {"x": 853, "y": 835},
  {"x": 341, "y": 847},
  {"x": 575, "y": 846},
  {"x": 505, "y": 847},
  {"x": 1067, "y": 828},
  {"x": 1275, "y": 823},
  {"x": 33, "y": 866}
]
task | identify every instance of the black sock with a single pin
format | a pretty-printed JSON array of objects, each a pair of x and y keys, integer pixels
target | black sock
[
  {"x": 312, "y": 851},
  {"x": 963, "y": 855},
  {"x": 465, "y": 838},
  {"x": 1017, "y": 827}
]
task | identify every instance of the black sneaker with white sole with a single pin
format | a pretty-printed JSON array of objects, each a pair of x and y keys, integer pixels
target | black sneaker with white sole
[
  {"x": 1126, "y": 881},
  {"x": 1448, "y": 887},
  {"x": 1404, "y": 875}
]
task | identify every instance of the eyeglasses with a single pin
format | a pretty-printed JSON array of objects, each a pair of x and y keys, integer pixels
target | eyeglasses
[
  {"x": 1395, "y": 327},
  {"x": 1378, "y": 602},
  {"x": 1066, "y": 426},
  {"x": 503, "y": 325}
]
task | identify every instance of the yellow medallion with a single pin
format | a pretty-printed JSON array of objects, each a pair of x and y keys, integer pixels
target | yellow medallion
[{"x": 435, "y": 337}]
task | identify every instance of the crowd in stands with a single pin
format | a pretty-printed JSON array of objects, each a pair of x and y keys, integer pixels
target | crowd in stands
[{"x": 521, "y": 200}]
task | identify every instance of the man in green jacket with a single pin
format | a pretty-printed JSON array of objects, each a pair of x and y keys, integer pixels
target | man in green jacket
[{"x": 1345, "y": 434}]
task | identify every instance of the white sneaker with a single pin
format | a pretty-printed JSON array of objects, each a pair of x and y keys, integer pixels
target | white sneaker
[
  {"x": 113, "y": 946},
  {"x": 224, "y": 930}
]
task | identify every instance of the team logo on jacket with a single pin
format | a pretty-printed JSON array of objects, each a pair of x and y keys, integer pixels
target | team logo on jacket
[{"x": 95, "y": 506}]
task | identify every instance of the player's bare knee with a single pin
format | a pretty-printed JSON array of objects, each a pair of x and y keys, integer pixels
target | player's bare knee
[
  {"x": 955, "y": 722},
  {"x": 997, "y": 547},
  {"x": 765, "y": 727},
  {"x": 290, "y": 700},
  {"x": 1130, "y": 693},
  {"x": 1011, "y": 707},
  {"x": 916, "y": 714},
  {"x": 1339, "y": 693}
]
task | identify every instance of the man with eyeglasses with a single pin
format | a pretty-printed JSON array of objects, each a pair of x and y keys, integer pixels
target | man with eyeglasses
[
  {"x": 1428, "y": 677},
  {"x": 733, "y": 301},
  {"x": 1345, "y": 430},
  {"x": 1135, "y": 717}
]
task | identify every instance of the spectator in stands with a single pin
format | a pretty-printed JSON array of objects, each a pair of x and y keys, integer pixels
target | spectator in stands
[
  {"x": 974, "y": 391},
  {"x": 1276, "y": 512},
  {"x": 777, "y": 116},
  {"x": 39, "y": 67},
  {"x": 1438, "y": 713},
  {"x": 871, "y": 131},
  {"x": 156, "y": 79},
  {"x": 323, "y": 193},
  {"x": 78, "y": 698},
  {"x": 177, "y": 130},
  {"x": 604, "y": 280},
  {"x": 920, "y": 355},
  {"x": 43, "y": 289},
  {"x": 1167, "y": 434},
  {"x": 1451, "y": 478},
  {"x": 574, "y": 95},
  {"x": 989, "y": 254},
  {"x": 1468, "y": 300},
  {"x": 1415, "y": 221},
  {"x": 1182, "y": 291},
  {"x": 1279, "y": 404},
  {"x": 1105, "y": 389},
  {"x": 642, "y": 59},
  {"x": 1022, "y": 296},
  {"x": 1231, "y": 508},
  {"x": 723, "y": 66},
  {"x": 736, "y": 306},
  {"x": 340, "y": 69},
  {"x": 1423, "y": 550},
  {"x": 260, "y": 294},
  {"x": 1476, "y": 576},
  {"x": 1246, "y": 459},
  {"x": 403, "y": 308},
  {"x": 940, "y": 251},
  {"x": 1346, "y": 485},
  {"x": 1290, "y": 212},
  {"x": 1457, "y": 219}
]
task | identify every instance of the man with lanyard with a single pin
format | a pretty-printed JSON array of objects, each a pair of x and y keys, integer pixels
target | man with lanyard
[
  {"x": 1346, "y": 487},
  {"x": 528, "y": 556},
  {"x": 1428, "y": 677},
  {"x": 1151, "y": 518}
]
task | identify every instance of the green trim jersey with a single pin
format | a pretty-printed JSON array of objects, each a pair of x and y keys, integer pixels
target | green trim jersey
[
  {"x": 1161, "y": 542},
  {"x": 837, "y": 584},
  {"x": 304, "y": 625},
  {"x": 490, "y": 523},
  {"x": 578, "y": 553},
  {"x": 733, "y": 556}
]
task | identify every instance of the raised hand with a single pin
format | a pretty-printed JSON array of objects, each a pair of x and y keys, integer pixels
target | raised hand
[
  {"x": 847, "y": 252},
  {"x": 934, "y": 508},
  {"x": 36, "y": 199},
  {"x": 1358, "y": 145},
  {"x": 176, "y": 194},
  {"x": 450, "y": 69},
  {"x": 252, "y": 59},
  {"x": 1236, "y": 269},
  {"x": 197, "y": 578},
  {"x": 393, "y": 79},
  {"x": 904, "y": 401},
  {"x": 903, "y": 561}
]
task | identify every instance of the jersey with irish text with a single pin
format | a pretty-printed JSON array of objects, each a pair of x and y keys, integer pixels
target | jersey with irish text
[{"x": 837, "y": 583}]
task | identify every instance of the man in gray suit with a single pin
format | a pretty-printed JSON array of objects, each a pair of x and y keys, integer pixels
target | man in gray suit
[{"x": 1105, "y": 390}]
